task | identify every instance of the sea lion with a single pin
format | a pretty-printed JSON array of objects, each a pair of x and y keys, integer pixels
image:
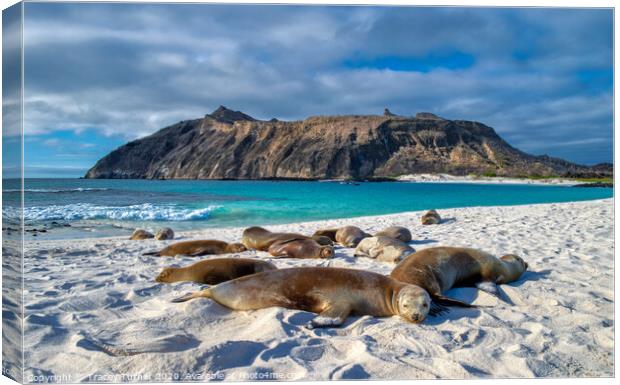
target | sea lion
[
  {"x": 329, "y": 233},
  {"x": 164, "y": 234},
  {"x": 397, "y": 232},
  {"x": 259, "y": 238},
  {"x": 438, "y": 269},
  {"x": 348, "y": 236},
  {"x": 197, "y": 248},
  {"x": 323, "y": 240},
  {"x": 431, "y": 218},
  {"x": 214, "y": 271},
  {"x": 383, "y": 249},
  {"x": 333, "y": 293},
  {"x": 140, "y": 234},
  {"x": 300, "y": 248}
]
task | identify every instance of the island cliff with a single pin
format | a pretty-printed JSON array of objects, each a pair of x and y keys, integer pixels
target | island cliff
[{"x": 229, "y": 144}]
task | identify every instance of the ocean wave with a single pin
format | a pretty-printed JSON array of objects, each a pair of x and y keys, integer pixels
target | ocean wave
[
  {"x": 142, "y": 212},
  {"x": 49, "y": 191}
]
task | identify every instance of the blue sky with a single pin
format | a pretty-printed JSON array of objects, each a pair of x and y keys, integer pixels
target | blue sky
[{"x": 99, "y": 75}]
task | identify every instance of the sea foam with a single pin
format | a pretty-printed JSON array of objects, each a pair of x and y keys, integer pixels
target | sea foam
[{"x": 142, "y": 212}]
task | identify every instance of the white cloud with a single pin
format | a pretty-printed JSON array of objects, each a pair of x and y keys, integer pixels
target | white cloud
[{"x": 130, "y": 73}]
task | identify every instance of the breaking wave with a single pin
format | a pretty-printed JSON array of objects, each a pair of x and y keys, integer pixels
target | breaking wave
[{"x": 142, "y": 212}]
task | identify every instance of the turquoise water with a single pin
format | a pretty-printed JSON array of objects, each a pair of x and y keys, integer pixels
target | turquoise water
[{"x": 112, "y": 207}]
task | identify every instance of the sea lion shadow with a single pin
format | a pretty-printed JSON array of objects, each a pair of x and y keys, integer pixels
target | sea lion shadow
[
  {"x": 531, "y": 276},
  {"x": 452, "y": 314},
  {"x": 464, "y": 294}
]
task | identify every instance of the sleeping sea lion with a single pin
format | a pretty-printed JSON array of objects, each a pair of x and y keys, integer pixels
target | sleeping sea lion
[
  {"x": 431, "y": 218},
  {"x": 300, "y": 248},
  {"x": 348, "y": 236},
  {"x": 140, "y": 234},
  {"x": 214, "y": 271},
  {"x": 383, "y": 249},
  {"x": 329, "y": 233},
  {"x": 197, "y": 248},
  {"x": 259, "y": 238},
  {"x": 438, "y": 269},
  {"x": 323, "y": 240},
  {"x": 333, "y": 293},
  {"x": 397, "y": 232},
  {"x": 164, "y": 234}
]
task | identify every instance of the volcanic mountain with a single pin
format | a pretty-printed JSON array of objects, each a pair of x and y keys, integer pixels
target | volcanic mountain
[{"x": 229, "y": 144}]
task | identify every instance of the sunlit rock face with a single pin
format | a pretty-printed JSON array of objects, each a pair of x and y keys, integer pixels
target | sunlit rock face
[{"x": 229, "y": 144}]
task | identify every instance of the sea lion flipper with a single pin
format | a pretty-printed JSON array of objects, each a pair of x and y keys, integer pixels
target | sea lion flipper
[
  {"x": 447, "y": 301},
  {"x": 196, "y": 294},
  {"x": 437, "y": 309},
  {"x": 489, "y": 287},
  {"x": 333, "y": 315}
]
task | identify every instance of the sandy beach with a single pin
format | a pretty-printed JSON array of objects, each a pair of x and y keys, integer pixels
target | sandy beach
[
  {"x": 95, "y": 313},
  {"x": 447, "y": 178}
]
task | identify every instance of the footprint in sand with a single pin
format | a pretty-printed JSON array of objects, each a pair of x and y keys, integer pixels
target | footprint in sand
[
  {"x": 349, "y": 372},
  {"x": 167, "y": 344}
]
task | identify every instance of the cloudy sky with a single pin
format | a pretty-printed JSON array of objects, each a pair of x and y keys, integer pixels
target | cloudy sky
[{"x": 98, "y": 75}]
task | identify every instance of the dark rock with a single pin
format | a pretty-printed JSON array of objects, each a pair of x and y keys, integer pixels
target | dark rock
[
  {"x": 596, "y": 184},
  {"x": 427, "y": 115},
  {"x": 223, "y": 114},
  {"x": 232, "y": 145}
]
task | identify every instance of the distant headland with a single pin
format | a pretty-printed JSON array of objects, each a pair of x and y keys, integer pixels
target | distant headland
[{"x": 229, "y": 144}]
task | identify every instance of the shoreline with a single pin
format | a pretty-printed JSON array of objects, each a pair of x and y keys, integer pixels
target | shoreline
[
  {"x": 326, "y": 222},
  {"x": 419, "y": 177},
  {"x": 555, "y": 321},
  {"x": 447, "y": 178}
]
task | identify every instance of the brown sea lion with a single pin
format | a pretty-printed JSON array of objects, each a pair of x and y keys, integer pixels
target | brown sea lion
[
  {"x": 164, "y": 234},
  {"x": 438, "y": 269},
  {"x": 384, "y": 249},
  {"x": 300, "y": 248},
  {"x": 259, "y": 238},
  {"x": 348, "y": 236},
  {"x": 333, "y": 293},
  {"x": 214, "y": 271},
  {"x": 140, "y": 234},
  {"x": 329, "y": 233},
  {"x": 197, "y": 248},
  {"x": 431, "y": 218},
  {"x": 323, "y": 240},
  {"x": 397, "y": 232}
]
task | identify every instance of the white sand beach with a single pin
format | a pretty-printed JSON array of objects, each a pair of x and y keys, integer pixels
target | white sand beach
[
  {"x": 447, "y": 178},
  {"x": 556, "y": 321}
]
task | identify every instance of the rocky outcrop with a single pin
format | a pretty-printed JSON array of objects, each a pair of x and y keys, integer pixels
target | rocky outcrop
[{"x": 232, "y": 145}]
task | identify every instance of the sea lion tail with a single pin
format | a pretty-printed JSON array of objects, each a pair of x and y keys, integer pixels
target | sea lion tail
[{"x": 196, "y": 294}]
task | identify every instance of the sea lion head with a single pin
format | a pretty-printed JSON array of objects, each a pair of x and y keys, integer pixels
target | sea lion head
[
  {"x": 326, "y": 252},
  {"x": 165, "y": 275},
  {"x": 515, "y": 260},
  {"x": 413, "y": 303},
  {"x": 235, "y": 248}
]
